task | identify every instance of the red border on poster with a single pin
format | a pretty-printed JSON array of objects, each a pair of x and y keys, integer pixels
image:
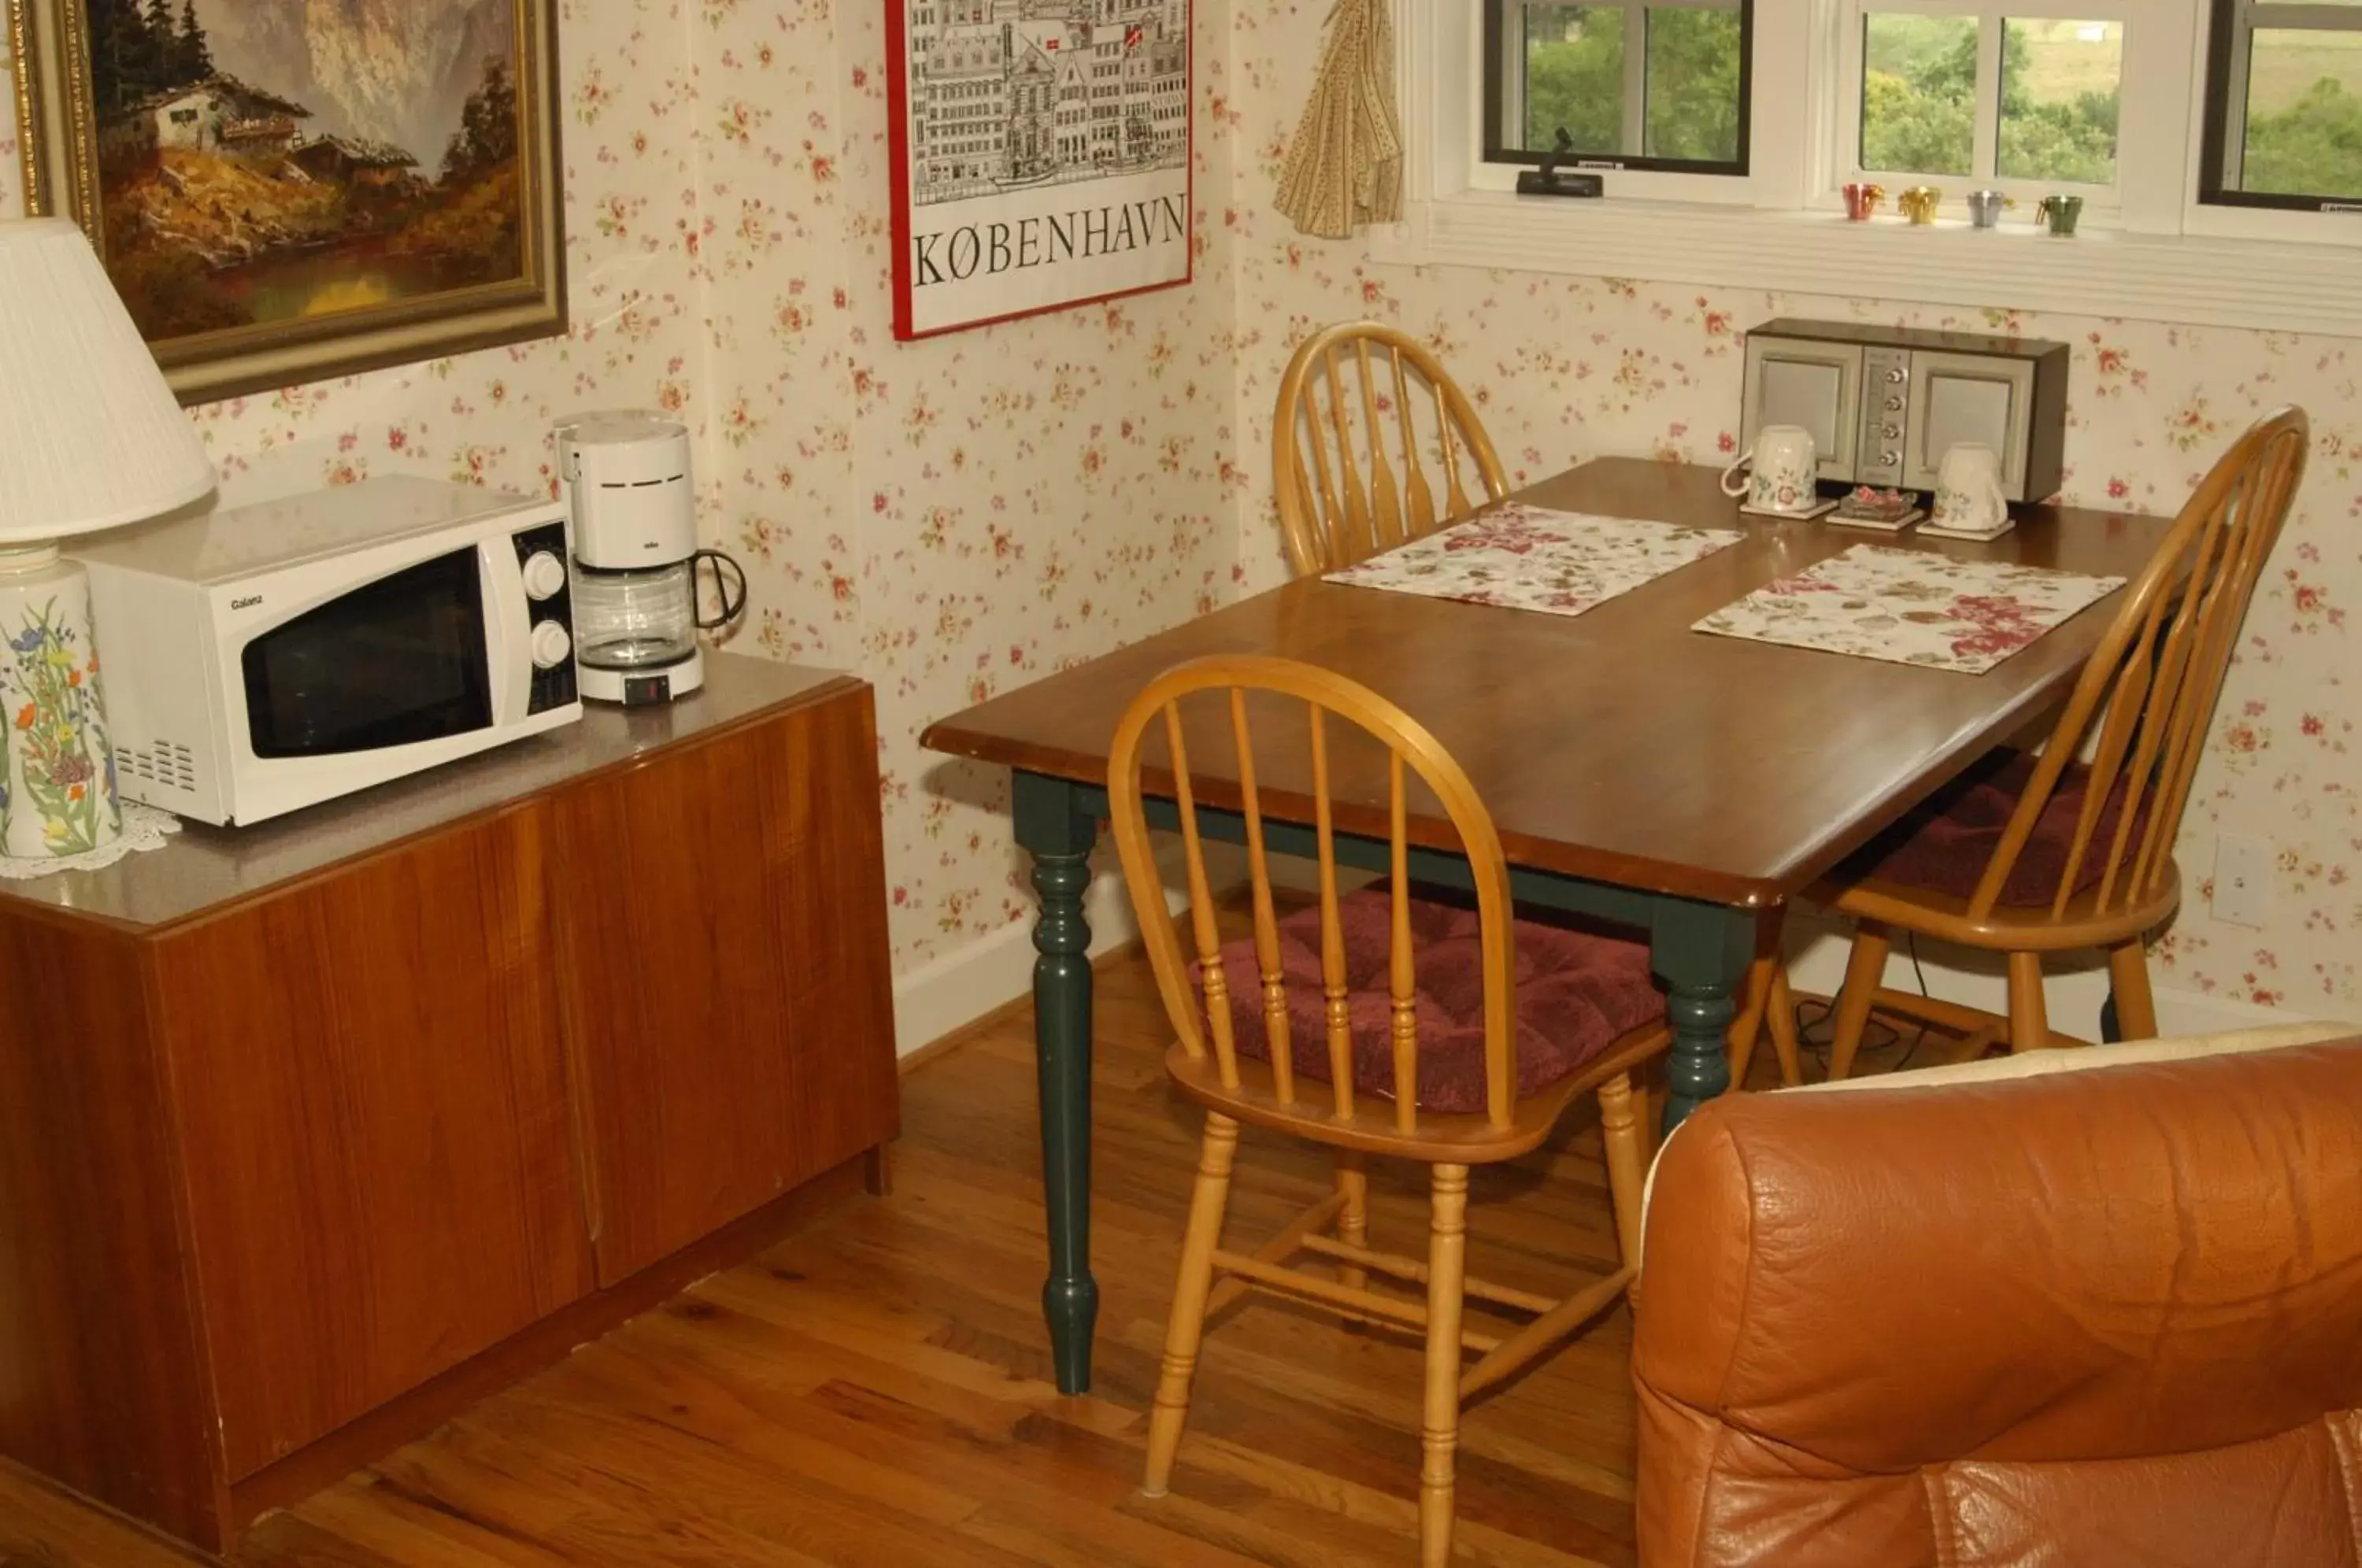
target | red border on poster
[{"x": 897, "y": 153}]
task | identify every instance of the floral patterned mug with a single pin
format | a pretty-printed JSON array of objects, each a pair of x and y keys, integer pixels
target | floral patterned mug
[
  {"x": 1785, "y": 465},
  {"x": 1969, "y": 495}
]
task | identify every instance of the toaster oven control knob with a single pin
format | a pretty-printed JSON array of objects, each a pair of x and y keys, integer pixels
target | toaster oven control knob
[
  {"x": 544, "y": 576},
  {"x": 1891, "y": 432},
  {"x": 551, "y": 645},
  {"x": 1897, "y": 376},
  {"x": 1894, "y": 406},
  {"x": 1890, "y": 460}
]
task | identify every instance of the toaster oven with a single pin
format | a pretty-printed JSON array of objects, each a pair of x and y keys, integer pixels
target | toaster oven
[{"x": 1885, "y": 403}]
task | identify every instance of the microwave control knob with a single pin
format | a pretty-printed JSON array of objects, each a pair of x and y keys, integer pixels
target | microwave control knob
[
  {"x": 551, "y": 645},
  {"x": 544, "y": 576}
]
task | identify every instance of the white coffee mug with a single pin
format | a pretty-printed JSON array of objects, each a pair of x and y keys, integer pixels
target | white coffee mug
[
  {"x": 1969, "y": 495},
  {"x": 1785, "y": 465}
]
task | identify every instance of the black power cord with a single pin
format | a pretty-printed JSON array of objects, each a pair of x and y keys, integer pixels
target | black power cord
[{"x": 1815, "y": 1028}]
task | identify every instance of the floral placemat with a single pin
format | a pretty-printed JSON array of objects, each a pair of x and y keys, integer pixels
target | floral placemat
[
  {"x": 1523, "y": 557},
  {"x": 1913, "y": 607}
]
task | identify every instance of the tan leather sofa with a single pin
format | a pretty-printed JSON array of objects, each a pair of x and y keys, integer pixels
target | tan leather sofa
[{"x": 2079, "y": 1309}]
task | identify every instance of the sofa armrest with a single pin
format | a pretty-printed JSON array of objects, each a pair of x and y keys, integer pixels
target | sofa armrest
[
  {"x": 2130, "y": 1052},
  {"x": 2038, "y": 1064}
]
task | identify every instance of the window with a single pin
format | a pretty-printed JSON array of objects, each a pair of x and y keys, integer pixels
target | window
[
  {"x": 1725, "y": 156},
  {"x": 1633, "y": 85},
  {"x": 1984, "y": 96},
  {"x": 2284, "y": 105}
]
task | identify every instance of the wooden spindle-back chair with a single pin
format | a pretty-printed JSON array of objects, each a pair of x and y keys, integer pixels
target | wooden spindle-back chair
[
  {"x": 1373, "y": 443},
  {"x": 2142, "y": 711},
  {"x": 1359, "y": 761},
  {"x": 1360, "y": 402}
]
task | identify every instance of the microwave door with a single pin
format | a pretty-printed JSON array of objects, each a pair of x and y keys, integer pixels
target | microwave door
[
  {"x": 1814, "y": 385},
  {"x": 399, "y": 661},
  {"x": 1963, "y": 398}
]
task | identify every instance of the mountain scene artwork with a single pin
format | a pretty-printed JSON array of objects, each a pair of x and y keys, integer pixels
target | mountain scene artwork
[
  {"x": 264, "y": 160},
  {"x": 294, "y": 169}
]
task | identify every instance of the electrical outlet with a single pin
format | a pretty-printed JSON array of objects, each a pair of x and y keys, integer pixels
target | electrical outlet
[{"x": 2243, "y": 881}]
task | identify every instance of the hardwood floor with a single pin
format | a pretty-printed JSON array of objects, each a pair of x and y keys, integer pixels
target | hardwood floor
[{"x": 876, "y": 1390}]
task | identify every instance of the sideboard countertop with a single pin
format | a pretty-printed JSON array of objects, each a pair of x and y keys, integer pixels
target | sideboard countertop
[{"x": 204, "y": 869}]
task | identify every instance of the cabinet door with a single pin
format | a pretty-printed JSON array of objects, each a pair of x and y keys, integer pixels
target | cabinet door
[
  {"x": 374, "y": 1128},
  {"x": 728, "y": 1003}
]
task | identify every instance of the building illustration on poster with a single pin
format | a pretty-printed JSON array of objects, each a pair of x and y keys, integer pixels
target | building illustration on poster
[
  {"x": 1043, "y": 151},
  {"x": 1010, "y": 92}
]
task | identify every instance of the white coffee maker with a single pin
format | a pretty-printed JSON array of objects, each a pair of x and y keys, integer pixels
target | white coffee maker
[{"x": 626, "y": 477}]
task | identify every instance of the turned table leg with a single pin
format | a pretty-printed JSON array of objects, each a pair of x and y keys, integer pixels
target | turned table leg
[
  {"x": 1059, "y": 836},
  {"x": 1702, "y": 952}
]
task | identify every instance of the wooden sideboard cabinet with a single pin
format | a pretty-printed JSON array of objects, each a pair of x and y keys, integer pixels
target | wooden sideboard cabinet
[{"x": 314, "y": 1132}]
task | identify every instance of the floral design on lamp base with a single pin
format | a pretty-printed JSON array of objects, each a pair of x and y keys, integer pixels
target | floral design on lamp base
[{"x": 59, "y": 796}]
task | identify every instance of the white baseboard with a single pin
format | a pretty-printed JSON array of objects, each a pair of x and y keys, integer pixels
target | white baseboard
[
  {"x": 954, "y": 990},
  {"x": 1816, "y": 962}
]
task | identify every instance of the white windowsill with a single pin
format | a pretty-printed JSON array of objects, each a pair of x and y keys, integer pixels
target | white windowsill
[{"x": 2256, "y": 285}]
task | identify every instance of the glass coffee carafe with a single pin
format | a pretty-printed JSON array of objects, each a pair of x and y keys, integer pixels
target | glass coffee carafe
[{"x": 636, "y": 621}]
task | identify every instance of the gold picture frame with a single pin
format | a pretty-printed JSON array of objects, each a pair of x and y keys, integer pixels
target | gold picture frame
[{"x": 262, "y": 243}]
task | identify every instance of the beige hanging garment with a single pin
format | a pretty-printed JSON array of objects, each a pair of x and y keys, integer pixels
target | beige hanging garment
[{"x": 1344, "y": 167}]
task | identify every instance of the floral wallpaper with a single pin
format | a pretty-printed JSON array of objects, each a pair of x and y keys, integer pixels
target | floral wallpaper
[
  {"x": 954, "y": 518},
  {"x": 948, "y": 519},
  {"x": 483, "y": 419},
  {"x": 1565, "y": 369}
]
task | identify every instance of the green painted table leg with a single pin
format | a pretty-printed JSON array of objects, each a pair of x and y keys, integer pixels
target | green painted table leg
[
  {"x": 1702, "y": 951},
  {"x": 1059, "y": 836}
]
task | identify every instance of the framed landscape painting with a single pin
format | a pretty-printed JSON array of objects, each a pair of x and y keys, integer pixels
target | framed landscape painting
[
  {"x": 1041, "y": 156},
  {"x": 286, "y": 191}
]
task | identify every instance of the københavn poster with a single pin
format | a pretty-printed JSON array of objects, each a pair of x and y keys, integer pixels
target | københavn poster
[{"x": 1041, "y": 156}]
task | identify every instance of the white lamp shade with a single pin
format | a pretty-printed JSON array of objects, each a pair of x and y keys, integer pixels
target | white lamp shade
[{"x": 90, "y": 437}]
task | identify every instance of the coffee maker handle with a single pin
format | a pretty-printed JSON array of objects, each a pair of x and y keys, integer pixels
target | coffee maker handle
[{"x": 724, "y": 569}]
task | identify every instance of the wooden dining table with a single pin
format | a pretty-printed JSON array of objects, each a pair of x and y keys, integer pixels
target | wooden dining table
[{"x": 1640, "y": 772}]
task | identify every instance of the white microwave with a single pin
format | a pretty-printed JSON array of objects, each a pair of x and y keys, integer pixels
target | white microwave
[
  {"x": 263, "y": 658},
  {"x": 1885, "y": 403}
]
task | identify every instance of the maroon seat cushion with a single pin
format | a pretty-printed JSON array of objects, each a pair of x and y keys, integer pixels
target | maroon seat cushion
[
  {"x": 1576, "y": 994},
  {"x": 1945, "y": 844}
]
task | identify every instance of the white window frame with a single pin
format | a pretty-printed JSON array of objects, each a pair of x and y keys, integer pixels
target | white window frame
[
  {"x": 2164, "y": 259},
  {"x": 1658, "y": 185},
  {"x": 2146, "y": 110},
  {"x": 2222, "y": 219}
]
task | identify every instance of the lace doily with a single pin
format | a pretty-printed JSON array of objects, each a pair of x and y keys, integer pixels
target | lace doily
[{"x": 144, "y": 827}]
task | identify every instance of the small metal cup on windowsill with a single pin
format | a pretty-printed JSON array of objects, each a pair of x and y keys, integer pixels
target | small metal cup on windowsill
[
  {"x": 2059, "y": 215},
  {"x": 1985, "y": 208}
]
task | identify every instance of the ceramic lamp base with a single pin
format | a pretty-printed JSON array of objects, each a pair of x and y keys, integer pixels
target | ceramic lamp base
[{"x": 59, "y": 797}]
